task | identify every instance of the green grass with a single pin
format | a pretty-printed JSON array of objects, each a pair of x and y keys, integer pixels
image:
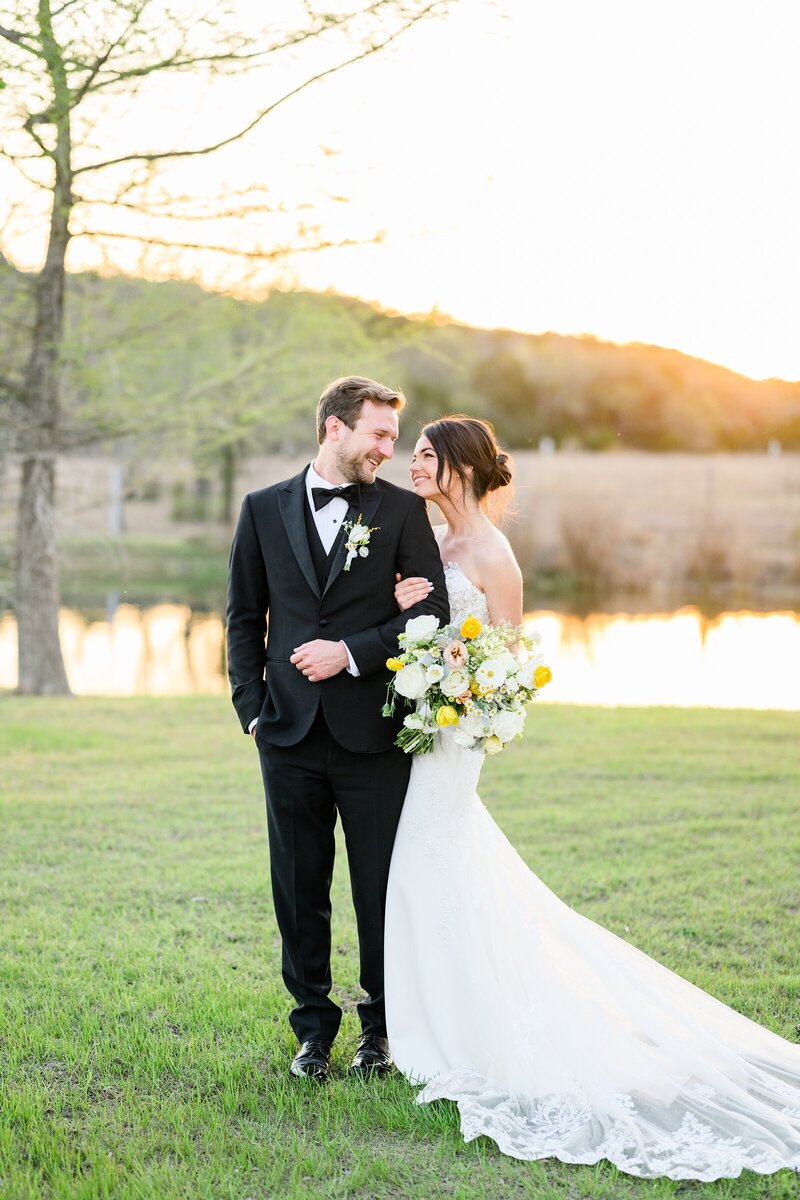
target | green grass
[{"x": 143, "y": 1032}]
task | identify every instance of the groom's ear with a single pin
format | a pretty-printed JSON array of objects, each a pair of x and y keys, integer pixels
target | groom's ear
[{"x": 332, "y": 427}]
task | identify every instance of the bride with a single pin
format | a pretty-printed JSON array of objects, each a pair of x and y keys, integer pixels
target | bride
[{"x": 553, "y": 1036}]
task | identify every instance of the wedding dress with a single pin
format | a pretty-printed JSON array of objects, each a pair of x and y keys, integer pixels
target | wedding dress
[{"x": 554, "y": 1036}]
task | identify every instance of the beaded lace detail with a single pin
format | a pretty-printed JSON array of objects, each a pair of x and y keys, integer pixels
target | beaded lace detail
[{"x": 466, "y": 598}]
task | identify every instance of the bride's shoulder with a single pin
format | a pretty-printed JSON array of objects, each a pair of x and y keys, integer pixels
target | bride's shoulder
[{"x": 496, "y": 553}]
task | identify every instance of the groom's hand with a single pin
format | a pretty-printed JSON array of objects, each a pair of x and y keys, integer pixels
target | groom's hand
[{"x": 320, "y": 659}]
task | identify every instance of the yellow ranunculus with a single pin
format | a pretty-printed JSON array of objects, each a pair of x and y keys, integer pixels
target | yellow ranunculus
[
  {"x": 541, "y": 676},
  {"x": 394, "y": 664},
  {"x": 492, "y": 744},
  {"x": 446, "y": 715},
  {"x": 471, "y": 628}
]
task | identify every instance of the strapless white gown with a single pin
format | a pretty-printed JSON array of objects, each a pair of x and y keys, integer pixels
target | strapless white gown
[{"x": 555, "y": 1037}]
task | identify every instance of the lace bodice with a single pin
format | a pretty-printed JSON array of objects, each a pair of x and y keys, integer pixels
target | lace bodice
[{"x": 466, "y": 600}]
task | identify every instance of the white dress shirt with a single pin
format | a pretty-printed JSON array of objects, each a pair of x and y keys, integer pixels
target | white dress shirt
[{"x": 328, "y": 521}]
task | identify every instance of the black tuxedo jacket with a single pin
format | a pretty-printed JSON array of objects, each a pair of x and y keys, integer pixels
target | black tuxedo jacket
[{"x": 274, "y": 593}]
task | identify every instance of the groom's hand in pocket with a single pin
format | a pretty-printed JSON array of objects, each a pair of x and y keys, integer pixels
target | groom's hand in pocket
[{"x": 319, "y": 659}]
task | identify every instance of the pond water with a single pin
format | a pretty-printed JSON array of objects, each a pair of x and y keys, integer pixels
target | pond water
[{"x": 734, "y": 660}]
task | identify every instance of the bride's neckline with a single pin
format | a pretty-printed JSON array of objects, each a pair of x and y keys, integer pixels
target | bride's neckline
[{"x": 452, "y": 563}]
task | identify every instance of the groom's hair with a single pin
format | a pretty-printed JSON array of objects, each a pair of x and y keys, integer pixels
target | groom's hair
[{"x": 344, "y": 397}]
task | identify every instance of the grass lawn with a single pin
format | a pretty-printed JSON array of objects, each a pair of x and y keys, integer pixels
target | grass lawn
[{"x": 143, "y": 1039}]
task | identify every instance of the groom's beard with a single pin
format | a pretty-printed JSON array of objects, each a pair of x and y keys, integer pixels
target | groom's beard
[{"x": 355, "y": 468}]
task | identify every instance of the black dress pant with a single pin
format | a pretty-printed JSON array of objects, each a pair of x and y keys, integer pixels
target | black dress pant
[{"x": 306, "y": 785}]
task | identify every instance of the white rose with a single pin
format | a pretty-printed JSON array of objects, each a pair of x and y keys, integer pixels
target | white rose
[
  {"x": 506, "y": 725},
  {"x": 410, "y": 681},
  {"x": 434, "y": 673},
  {"x": 419, "y": 629},
  {"x": 455, "y": 683},
  {"x": 491, "y": 674}
]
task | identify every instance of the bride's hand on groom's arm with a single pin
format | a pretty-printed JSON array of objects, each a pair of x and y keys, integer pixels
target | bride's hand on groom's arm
[
  {"x": 411, "y": 590},
  {"x": 320, "y": 659}
]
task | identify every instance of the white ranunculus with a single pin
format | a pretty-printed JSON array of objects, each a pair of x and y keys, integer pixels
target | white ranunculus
[
  {"x": 364, "y": 552},
  {"x": 410, "y": 681},
  {"x": 526, "y": 673},
  {"x": 413, "y": 721},
  {"x": 471, "y": 724},
  {"x": 491, "y": 674},
  {"x": 506, "y": 725},
  {"x": 455, "y": 683},
  {"x": 434, "y": 673},
  {"x": 358, "y": 532},
  {"x": 512, "y": 685},
  {"x": 463, "y": 739},
  {"x": 535, "y": 636},
  {"x": 509, "y": 660},
  {"x": 419, "y": 629}
]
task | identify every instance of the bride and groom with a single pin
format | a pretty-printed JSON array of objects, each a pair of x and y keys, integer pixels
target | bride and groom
[{"x": 553, "y": 1036}]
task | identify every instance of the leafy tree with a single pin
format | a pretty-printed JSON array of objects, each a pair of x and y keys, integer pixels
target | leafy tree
[{"x": 71, "y": 69}]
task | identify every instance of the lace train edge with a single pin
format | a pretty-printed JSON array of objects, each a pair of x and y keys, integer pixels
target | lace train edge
[{"x": 546, "y": 1129}]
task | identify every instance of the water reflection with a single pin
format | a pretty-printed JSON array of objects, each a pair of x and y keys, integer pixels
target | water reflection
[
  {"x": 166, "y": 650},
  {"x": 736, "y": 660}
]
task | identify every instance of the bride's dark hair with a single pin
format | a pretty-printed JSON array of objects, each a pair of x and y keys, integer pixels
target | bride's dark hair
[{"x": 461, "y": 442}]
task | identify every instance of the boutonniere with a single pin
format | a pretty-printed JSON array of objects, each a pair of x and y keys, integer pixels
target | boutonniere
[{"x": 357, "y": 544}]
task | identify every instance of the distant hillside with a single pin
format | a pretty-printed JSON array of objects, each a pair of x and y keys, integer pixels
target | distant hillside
[{"x": 172, "y": 366}]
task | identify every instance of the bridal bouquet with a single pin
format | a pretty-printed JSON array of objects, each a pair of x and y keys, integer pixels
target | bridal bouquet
[{"x": 465, "y": 676}]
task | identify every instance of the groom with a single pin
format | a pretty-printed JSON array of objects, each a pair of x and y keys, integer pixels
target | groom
[{"x": 312, "y": 697}]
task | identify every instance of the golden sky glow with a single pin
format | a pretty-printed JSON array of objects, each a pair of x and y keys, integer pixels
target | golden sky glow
[{"x": 622, "y": 168}]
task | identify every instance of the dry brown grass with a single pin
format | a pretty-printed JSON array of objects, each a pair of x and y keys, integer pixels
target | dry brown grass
[{"x": 629, "y": 521}]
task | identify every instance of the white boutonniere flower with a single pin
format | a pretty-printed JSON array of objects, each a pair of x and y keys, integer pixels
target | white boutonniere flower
[{"x": 357, "y": 544}]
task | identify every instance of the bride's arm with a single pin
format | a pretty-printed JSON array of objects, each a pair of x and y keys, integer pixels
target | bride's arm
[{"x": 502, "y": 583}]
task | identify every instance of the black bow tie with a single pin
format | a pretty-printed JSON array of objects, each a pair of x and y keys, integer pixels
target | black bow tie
[{"x": 351, "y": 492}]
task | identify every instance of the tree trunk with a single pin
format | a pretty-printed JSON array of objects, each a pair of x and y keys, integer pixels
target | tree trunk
[
  {"x": 228, "y": 459},
  {"x": 41, "y": 666}
]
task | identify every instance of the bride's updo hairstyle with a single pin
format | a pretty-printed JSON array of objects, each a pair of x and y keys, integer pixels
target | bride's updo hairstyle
[{"x": 462, "y": 442}]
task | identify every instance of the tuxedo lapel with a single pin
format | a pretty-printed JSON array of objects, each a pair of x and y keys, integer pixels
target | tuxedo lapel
[
  {"x": 291, "y": 501},
  {"x": 370, "y": 502}
]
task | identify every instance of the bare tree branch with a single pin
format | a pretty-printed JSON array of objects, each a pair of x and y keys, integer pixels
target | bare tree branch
[
  {"x": 150, "y": 209},
  {"x": 262, "y": 255},
  {"x": 19, "y": 39},
  {"x": 211, "y": 149}
]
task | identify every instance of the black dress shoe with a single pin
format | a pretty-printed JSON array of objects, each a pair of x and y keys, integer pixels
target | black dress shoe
[
  {"x": 372, "y": 1057},
  {"x": 312, "y": 1061}
]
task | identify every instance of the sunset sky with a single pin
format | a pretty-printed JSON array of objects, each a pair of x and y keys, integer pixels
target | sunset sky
[{"x": 621, "y": 168}]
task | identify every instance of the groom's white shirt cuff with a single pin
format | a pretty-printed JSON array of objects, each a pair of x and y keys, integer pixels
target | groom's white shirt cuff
[{"x": 328, "y": 523}]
